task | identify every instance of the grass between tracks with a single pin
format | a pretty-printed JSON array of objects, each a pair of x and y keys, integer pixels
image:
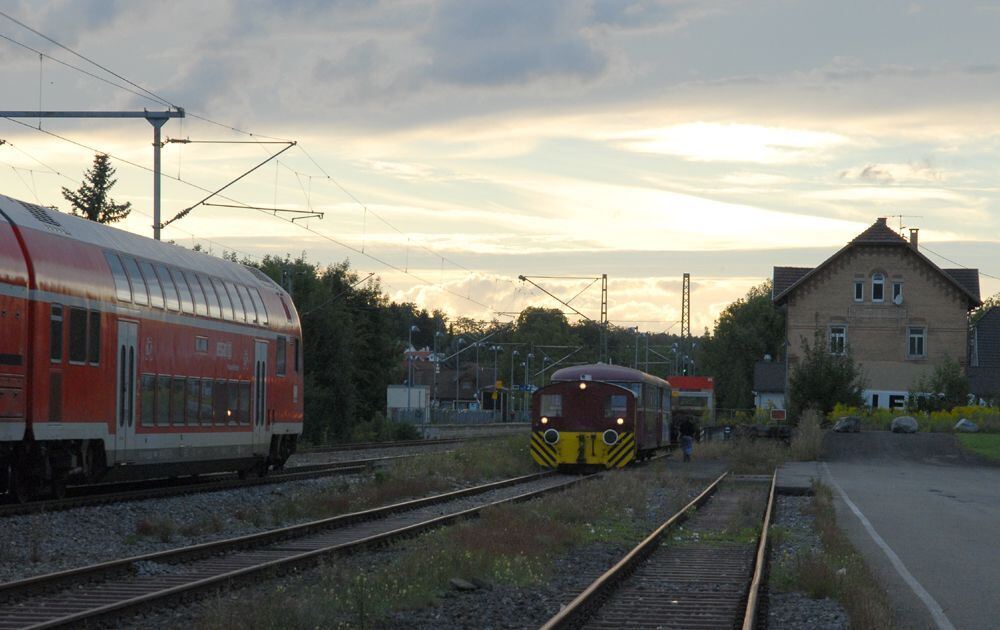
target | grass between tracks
[
  {"x": 422, "y": 475},
  {"x": 508, "y": 545},
  {"x": 836, "y": 571}
]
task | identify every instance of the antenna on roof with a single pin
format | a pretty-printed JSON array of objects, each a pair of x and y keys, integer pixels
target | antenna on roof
[{"x": 908, "y": 216}]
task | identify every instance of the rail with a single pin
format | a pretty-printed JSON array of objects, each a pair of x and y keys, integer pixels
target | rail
[{"x": 760, "y": 562}]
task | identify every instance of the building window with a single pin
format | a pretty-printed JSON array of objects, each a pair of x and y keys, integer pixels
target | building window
[
  {"x": 917, "y": 342},
  {"x": 897, "y": 292},
  {"x": 838, "y": 339},
  {"x": 859, "y": 290},
  {"x": 878, "y": 288}
]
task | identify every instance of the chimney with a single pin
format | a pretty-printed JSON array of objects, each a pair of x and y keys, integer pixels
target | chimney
[
  {"x": 913, "y": 237},
  {"x": 881, "y": 220}
]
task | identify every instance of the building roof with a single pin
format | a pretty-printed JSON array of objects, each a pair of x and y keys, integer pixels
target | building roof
[
  {"x": 987, "y": 340},
  {"x": 788, "y": 279},
  {"x": 769, "y": 376}
]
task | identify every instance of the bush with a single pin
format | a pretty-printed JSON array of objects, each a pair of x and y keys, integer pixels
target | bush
[{"x": 822, "y": 380}]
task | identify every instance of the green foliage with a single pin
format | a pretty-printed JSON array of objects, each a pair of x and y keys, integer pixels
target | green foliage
[
  {"x": 985, "y": 444},
  {"x": 379, "y": 429},
  {"x": 91, "y": 200},
  {"x": 821, "y": 380},
  {"x": 746, "y": 330},
  {"x": 946, "y": 388}
]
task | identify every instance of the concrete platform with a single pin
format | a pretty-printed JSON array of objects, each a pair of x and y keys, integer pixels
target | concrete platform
[{"x": 796, "y": 478}]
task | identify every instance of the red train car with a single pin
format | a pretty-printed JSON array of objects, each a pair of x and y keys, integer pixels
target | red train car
[
  {"x": 124, "y": 357},
  {"x": 599, "y": 415}
]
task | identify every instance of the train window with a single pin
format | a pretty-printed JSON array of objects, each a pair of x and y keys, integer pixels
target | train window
[
  {"x": 94, "y": 338},
  {"x": 239, "y": 313},
  {"x": 122, "y": 289},
  {"x": 615, "y": 406},
  {"x": 213, "y": 300},
  {"x": 169, "y": 290},
  {"x": 296, "y": 365},
  {"x": 191, "y": 405},
  {"x": 139, "y": 295},
  {"x": 259, "y": 303},
  {"x": 201, "y": 344},
  {"x": 147, "y": 400},
  {"x": 199, "y": 298},
  {"x": 187, "y": 303},
  {"x": 177, "y": 388},
  {"x": 281, "y": 356},
  {"x": 551, "y": 405},
  {"x": 155, "y": 292},
  {"x": 162, "y": 400},
  {"x": 244, "y": 414},
  {"x": 248, "y": 303},
  {"x": 227, "y": 304},
  {"x": 220, "y": 404},
  {"x": 205, "y": 408},
  {"x": 288, "y": 313},
  {"x": 77, "y": 335},
  {"x": 232, "y": 402},
  {"x": 56, "y": 333}
]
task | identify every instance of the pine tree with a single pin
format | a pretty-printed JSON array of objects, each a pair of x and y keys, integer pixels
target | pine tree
[{"x": 91, "y": 200}]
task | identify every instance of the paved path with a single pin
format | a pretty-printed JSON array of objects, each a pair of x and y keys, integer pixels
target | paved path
[{"x": 932, "y": 506}]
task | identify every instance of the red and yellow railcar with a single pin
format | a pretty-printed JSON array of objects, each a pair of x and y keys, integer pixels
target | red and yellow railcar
[
  {"x": 125, "y": 357},
  {"x": 599, "y": 415}
]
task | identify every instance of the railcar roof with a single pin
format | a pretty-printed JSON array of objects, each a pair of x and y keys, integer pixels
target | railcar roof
[
  {"x": 31, "y": 216},
  {"x": 606, "y": 372}
]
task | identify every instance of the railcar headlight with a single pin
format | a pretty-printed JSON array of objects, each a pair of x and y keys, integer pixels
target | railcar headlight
[
  {"x": 545, "y": 420},
  {"x": 583, "y": 386},
  {"x": 610, "y": 437},
  {"x": 620, "y": 421},
  {"x": 551, "y": 436}
]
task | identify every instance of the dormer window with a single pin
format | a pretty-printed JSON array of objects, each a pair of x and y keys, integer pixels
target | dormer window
[{"x": 878, "y": 287}]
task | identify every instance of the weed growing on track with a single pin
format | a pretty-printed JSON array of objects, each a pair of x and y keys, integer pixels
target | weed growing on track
[
  {"x": 838, "y": 571},
  {"x": 761, "y": 456},
  {"x": 507, "y": 545}
]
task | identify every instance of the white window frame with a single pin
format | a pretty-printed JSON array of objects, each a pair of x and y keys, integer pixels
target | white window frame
[
  {"x": 897, "y": 289},
  {"x": 837, "y": 344},
  {"x": 859, "y": 290},
  {"x": 921, "y": 336},
  {"x": 878, "y": 280}
]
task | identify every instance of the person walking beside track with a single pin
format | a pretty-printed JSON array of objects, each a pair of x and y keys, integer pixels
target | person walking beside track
[{"x": 687, "y": 439}]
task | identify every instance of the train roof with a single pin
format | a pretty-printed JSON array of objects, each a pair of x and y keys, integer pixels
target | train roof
[
  {"x": 608, "y": 373},
  {"x": 31, "y": 216}
]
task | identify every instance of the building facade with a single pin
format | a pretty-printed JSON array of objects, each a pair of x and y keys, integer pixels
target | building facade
[{"x": 879, "y": 298}]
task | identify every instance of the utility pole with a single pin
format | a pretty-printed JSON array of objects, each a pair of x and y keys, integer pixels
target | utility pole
[
  {"x": 686, "y": 307},
  {"x": 157, "y": 119}
]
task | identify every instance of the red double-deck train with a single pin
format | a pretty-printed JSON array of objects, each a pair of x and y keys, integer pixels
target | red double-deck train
[
  {"x": 122, "y": 357},
  {"x": 599, "y": 415}
]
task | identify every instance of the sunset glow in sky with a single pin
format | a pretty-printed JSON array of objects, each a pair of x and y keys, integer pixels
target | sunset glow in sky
[{"x": 460, "y": 143}]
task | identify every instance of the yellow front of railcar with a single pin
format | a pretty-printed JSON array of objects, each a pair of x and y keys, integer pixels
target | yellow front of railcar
[{"x": 611, "y": 449}]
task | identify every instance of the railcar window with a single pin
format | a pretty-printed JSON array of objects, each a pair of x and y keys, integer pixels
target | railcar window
[
  {"x": 288, "y": 313},
  {"x": 191, "y": 404},
  {"x": 177, "y": 389},
  {"x": 169, "y": 290},
  {"x": 199, "y": 297},
  {"x": 139, "y": 295},
  {"x": 220, "y": 411},
  {"x": 153, "y": 283},
  {"x": 227, "y": 304},
  {"x": 281, "y": 354},
  {"x": 296, "y": 365},
  {"x": 615, "y": 405},
  {"x": 666, "y": 400},
  {"x": 187, "y": 302},
  {"x": 239, "y": 313},
  {"x": 122, "y": 290},
  {"x": 205, "y": 409},
  {"x": 77, "y": 335},
  {"x": 244, "y": 415},
  {"x": 232, "y": 402},
  {"x": 162, "y": 400},
  {"x": 259, "y": 303},
  {"x": 201, "y": 344},
  {"x": 56, "y": 333},
  {"x": 248, "y": 303},
  {"x": 94, "y": 339},
  {"x": 210, "y": 296},
  {"x": 147, "y": 400},
  {"x": 552, "y": 405}
]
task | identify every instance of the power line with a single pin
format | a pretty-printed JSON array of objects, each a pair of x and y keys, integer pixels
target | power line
[{"x": 981, "y": 272}]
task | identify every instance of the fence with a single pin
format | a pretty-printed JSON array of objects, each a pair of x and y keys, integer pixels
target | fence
[{"x": 454, "y": 416}]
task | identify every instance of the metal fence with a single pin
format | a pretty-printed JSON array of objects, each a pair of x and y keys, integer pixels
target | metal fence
[{"x": 454, "y": 416}]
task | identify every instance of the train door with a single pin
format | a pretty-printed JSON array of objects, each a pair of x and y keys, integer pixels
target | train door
[
  {"x": 260, "y": 397},
  {"x": 128, "y": 334}
]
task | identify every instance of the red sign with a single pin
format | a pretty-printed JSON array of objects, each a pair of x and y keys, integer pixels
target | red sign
[{"x": 778, "y": 415}]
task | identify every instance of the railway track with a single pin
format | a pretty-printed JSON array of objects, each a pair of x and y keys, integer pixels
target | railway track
[
  {"x": 704, "y": 576},
  {"x": 367, "y": 446},
  {"x": 112, "y": 589},
  {"x": 101, "y": 494}
]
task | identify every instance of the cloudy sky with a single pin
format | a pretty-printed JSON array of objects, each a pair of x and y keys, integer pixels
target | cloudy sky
[{"x": 452, "y": 145}]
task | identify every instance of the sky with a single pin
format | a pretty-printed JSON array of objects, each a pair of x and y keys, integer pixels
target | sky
[{"x": 454, "y": 145}]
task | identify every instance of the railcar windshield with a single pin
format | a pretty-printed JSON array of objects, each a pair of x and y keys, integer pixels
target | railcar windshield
[
  {"x": 615, "y": 405},
  {"x": 551, "y": 405},
  {"x": 635, "y": 388}
]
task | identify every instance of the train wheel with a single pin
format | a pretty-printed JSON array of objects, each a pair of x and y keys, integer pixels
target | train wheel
[{"x": 19, "y": 485}]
